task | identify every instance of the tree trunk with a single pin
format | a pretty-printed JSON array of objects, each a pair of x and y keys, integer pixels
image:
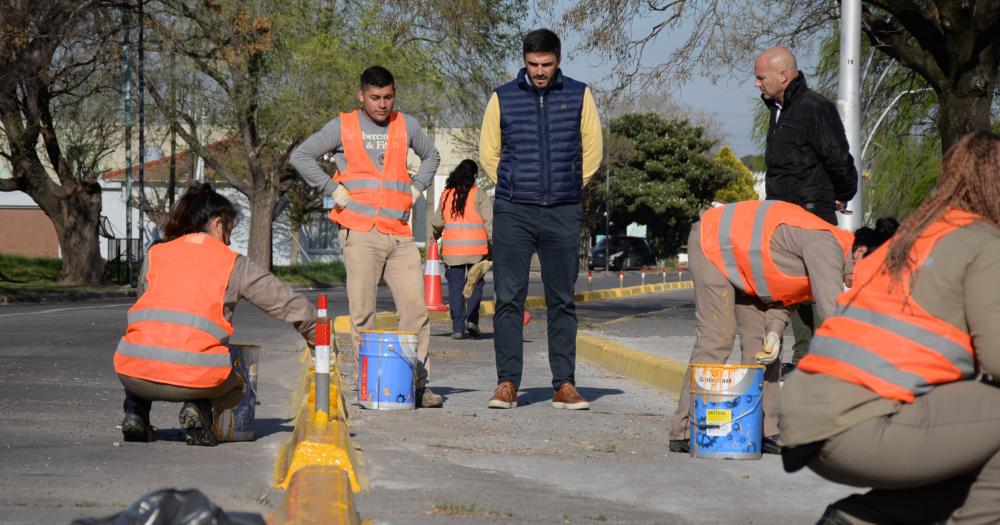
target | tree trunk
[
  {"x": 76, "y": 227},
  {"x": 262, "y": 203},
  {"x": 963, "y": 112},
  {"x": 296, "y": 236},
  {"x": 584, "y": 247}
]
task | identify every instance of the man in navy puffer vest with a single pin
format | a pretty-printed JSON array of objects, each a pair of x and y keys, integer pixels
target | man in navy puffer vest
[{"x": 541, "y": 142}]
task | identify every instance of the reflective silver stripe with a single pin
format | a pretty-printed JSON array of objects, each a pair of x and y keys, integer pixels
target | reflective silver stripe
[
  {"x": 396, "y": 185},
  {"x": 949, "y": 349},
  {"x": 726, "y": 246},
  {"x": 394, "y": 214},
  {"x": 859, "y": 357},
  {"x": 362, "y": 184},
  {"x": 463, "y": 226},
  {"x": 465, "y": 243},
  {"x": 168, "y": 355},
  {"x": 181, "y": 318},
  {"x": 362, "y": 209},
  {"x": 757, "y": 252}
]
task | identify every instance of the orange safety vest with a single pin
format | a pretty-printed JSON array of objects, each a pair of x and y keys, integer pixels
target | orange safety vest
[
  {"x": 464, "y": 234},
  {"x": 737, "y": 239},
  {"x": 177, "y": 333},
  {"x": 882, "y": 339},
  {"x": 378, "y": 199}
]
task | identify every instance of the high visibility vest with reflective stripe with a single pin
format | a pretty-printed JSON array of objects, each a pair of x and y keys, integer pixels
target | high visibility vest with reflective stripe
[
  {"x": 177, "y": 333},
  {"x": 464, "y": 234},
  {"x": 882, "y": 339},
  {"x": 378, "y": 199},
  {"x": 737, "y": 239}
]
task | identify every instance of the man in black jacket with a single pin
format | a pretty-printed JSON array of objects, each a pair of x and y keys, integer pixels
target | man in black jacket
[{"x": 808, "y": 160}]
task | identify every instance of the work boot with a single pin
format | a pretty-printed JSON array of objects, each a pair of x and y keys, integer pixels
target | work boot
[
  {"x": 769, "y": 445},
  {"x": 505, "y": 396},
  {"x": 680, "y": 445},
  {"x": 473, "y": 330},
  {"x": 567, "y": 397},
  {"x": 428, "y": 399},
  {"x": 135, "y": 424},
  {"x": 457, "y": 335},
  {"x": 136, "y": 428},
  {"x": 786, "y": 368},
  {"x": 196, "y": 419}
]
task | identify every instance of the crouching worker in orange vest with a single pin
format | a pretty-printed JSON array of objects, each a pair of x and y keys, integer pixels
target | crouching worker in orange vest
[
  {"x": 465, "y": 221},
  {"x": 175, "y": 346},
  {"x": 374, "y": 195},
  {"x": 749, "y": 260},
  {"x": 887, "y": 396}
]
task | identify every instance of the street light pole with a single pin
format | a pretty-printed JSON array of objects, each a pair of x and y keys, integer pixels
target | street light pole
[
  {"x": 849, "y": 100},
  {"x": 607, "y": 202},
  {"x": 126, "y": 57}
]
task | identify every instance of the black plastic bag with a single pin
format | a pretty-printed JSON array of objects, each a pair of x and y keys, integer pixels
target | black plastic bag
[{"x": 174, "y": 507}]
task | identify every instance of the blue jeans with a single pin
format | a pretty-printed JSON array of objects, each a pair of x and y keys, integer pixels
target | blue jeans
[
  {"x": 462, "y": 309},
  {"x": 519, "y": 230}
]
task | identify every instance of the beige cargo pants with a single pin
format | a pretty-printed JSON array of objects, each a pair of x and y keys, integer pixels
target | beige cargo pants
[
  {"x": 721, "y": 312},
  {"x": 371, "y": 256}
]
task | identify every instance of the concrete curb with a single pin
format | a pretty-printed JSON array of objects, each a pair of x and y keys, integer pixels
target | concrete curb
[
  {"x": 50, "y": 297},
  {"x": 666, "y": 375},
  {"x": 318, "y": 466},
  {"x": 389, "y": 320}
]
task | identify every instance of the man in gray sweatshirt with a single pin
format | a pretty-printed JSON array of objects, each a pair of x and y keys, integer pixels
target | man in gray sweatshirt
[{"x": 373, "y": 195}]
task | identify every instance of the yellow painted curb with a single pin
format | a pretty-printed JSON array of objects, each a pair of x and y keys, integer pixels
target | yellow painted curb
[
  {"x": 660, "y": 373},
  {"x": 389, "y": 320},
  {"x": 318, "y": 461},
  {"x": 318, "y": 494}
]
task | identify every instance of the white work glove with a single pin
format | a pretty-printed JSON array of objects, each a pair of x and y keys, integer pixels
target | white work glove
[
  {"x": 415, "y": 193},
  {"x": 771, "y": 351},
  {"x": 341, "y": 197}
]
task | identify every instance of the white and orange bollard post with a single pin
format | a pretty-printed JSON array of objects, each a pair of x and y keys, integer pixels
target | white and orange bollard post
[
  {"x": 643, "y": 272},
  {"x": 621, "y": 278},
  {"x": 322, "y": 396},
  {"x": 590, "y": 280},
  {"x": 432, "y": 279},
  {"x": 663, "y": 271}
]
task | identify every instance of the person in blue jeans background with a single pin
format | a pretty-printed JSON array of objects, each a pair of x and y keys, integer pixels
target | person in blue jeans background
[
  {"x": 541, "y": 142},
  {"x": 464, "y": 220}
]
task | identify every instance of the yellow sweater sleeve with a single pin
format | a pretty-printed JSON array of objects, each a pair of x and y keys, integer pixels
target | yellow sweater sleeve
[
  {"x": 591, "y": 137},
  {"x": 489, "y": 139}
]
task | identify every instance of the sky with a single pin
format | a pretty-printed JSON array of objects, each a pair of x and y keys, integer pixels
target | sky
[{"x": 730, "y": 102}]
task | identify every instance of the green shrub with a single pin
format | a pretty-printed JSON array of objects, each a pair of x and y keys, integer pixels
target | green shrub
[
  {"x": 316, "y": 274},
  {"x": 21, "y": 269}
]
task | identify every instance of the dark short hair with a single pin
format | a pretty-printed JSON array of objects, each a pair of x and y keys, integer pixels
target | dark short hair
[
  {"x": 541, "y": 41},
  {"x": 377, "y": 76},
  {"x": 199, "y": 205}
]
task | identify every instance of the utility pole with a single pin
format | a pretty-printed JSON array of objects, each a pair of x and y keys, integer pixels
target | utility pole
[
  {"x": 607, "y": 201},
  {"x": 142, "y": 130},
  {"x": 126, "y": 57},
  {"x": 849, "y": 101},
  {"x": 172, "y": 184}
]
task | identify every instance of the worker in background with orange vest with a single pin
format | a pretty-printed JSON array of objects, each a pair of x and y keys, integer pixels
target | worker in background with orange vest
[
  {"x": 749, "y": 261},
  {"x": 464, "y": 220},
  {"x": 887, "y": 396},
  {"x": 373, "y": 196},
  {"x": 175, "y": 346}
]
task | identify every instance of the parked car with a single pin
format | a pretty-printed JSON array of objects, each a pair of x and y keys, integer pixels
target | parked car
[{"x": 626, "y": 253}]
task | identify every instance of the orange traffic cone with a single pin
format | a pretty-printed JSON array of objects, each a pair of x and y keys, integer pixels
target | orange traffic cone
[
  {"x": 432, "y": 279},
  {"x": 527, "y": 317}
]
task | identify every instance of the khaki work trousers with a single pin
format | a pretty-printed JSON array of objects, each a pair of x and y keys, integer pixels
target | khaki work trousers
[
  {"x": 721, "y": 312},
  {"x": 938, "y": 457},
  {"x": 223, "y": 396},
  {"x": 371, "y": 256}
]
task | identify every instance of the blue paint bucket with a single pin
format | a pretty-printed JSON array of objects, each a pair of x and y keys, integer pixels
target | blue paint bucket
[
  {"x": 236, "y": 424},
  {"x": 386, "y": 370},
  {"x": 727, "y": 418}
]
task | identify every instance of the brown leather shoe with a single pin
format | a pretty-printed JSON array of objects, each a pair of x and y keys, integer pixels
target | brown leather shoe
[
  {"x": 567, "y": 397},
  {"x": 505, "y": 396}
]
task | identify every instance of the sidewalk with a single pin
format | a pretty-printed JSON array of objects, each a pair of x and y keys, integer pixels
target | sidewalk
[{"x": 535, "y": 464}]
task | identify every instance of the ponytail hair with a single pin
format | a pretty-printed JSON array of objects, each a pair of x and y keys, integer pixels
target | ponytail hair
[
  {"x": 193, "y": 212},
  {"x": 461, "y": 180}
]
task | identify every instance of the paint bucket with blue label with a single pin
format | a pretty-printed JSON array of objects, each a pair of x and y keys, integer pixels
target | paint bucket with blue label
[
  {"x": 237, "y": 423},
  {"x": 386, "y": 364},
  {"x": 726, "y": 412}
]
